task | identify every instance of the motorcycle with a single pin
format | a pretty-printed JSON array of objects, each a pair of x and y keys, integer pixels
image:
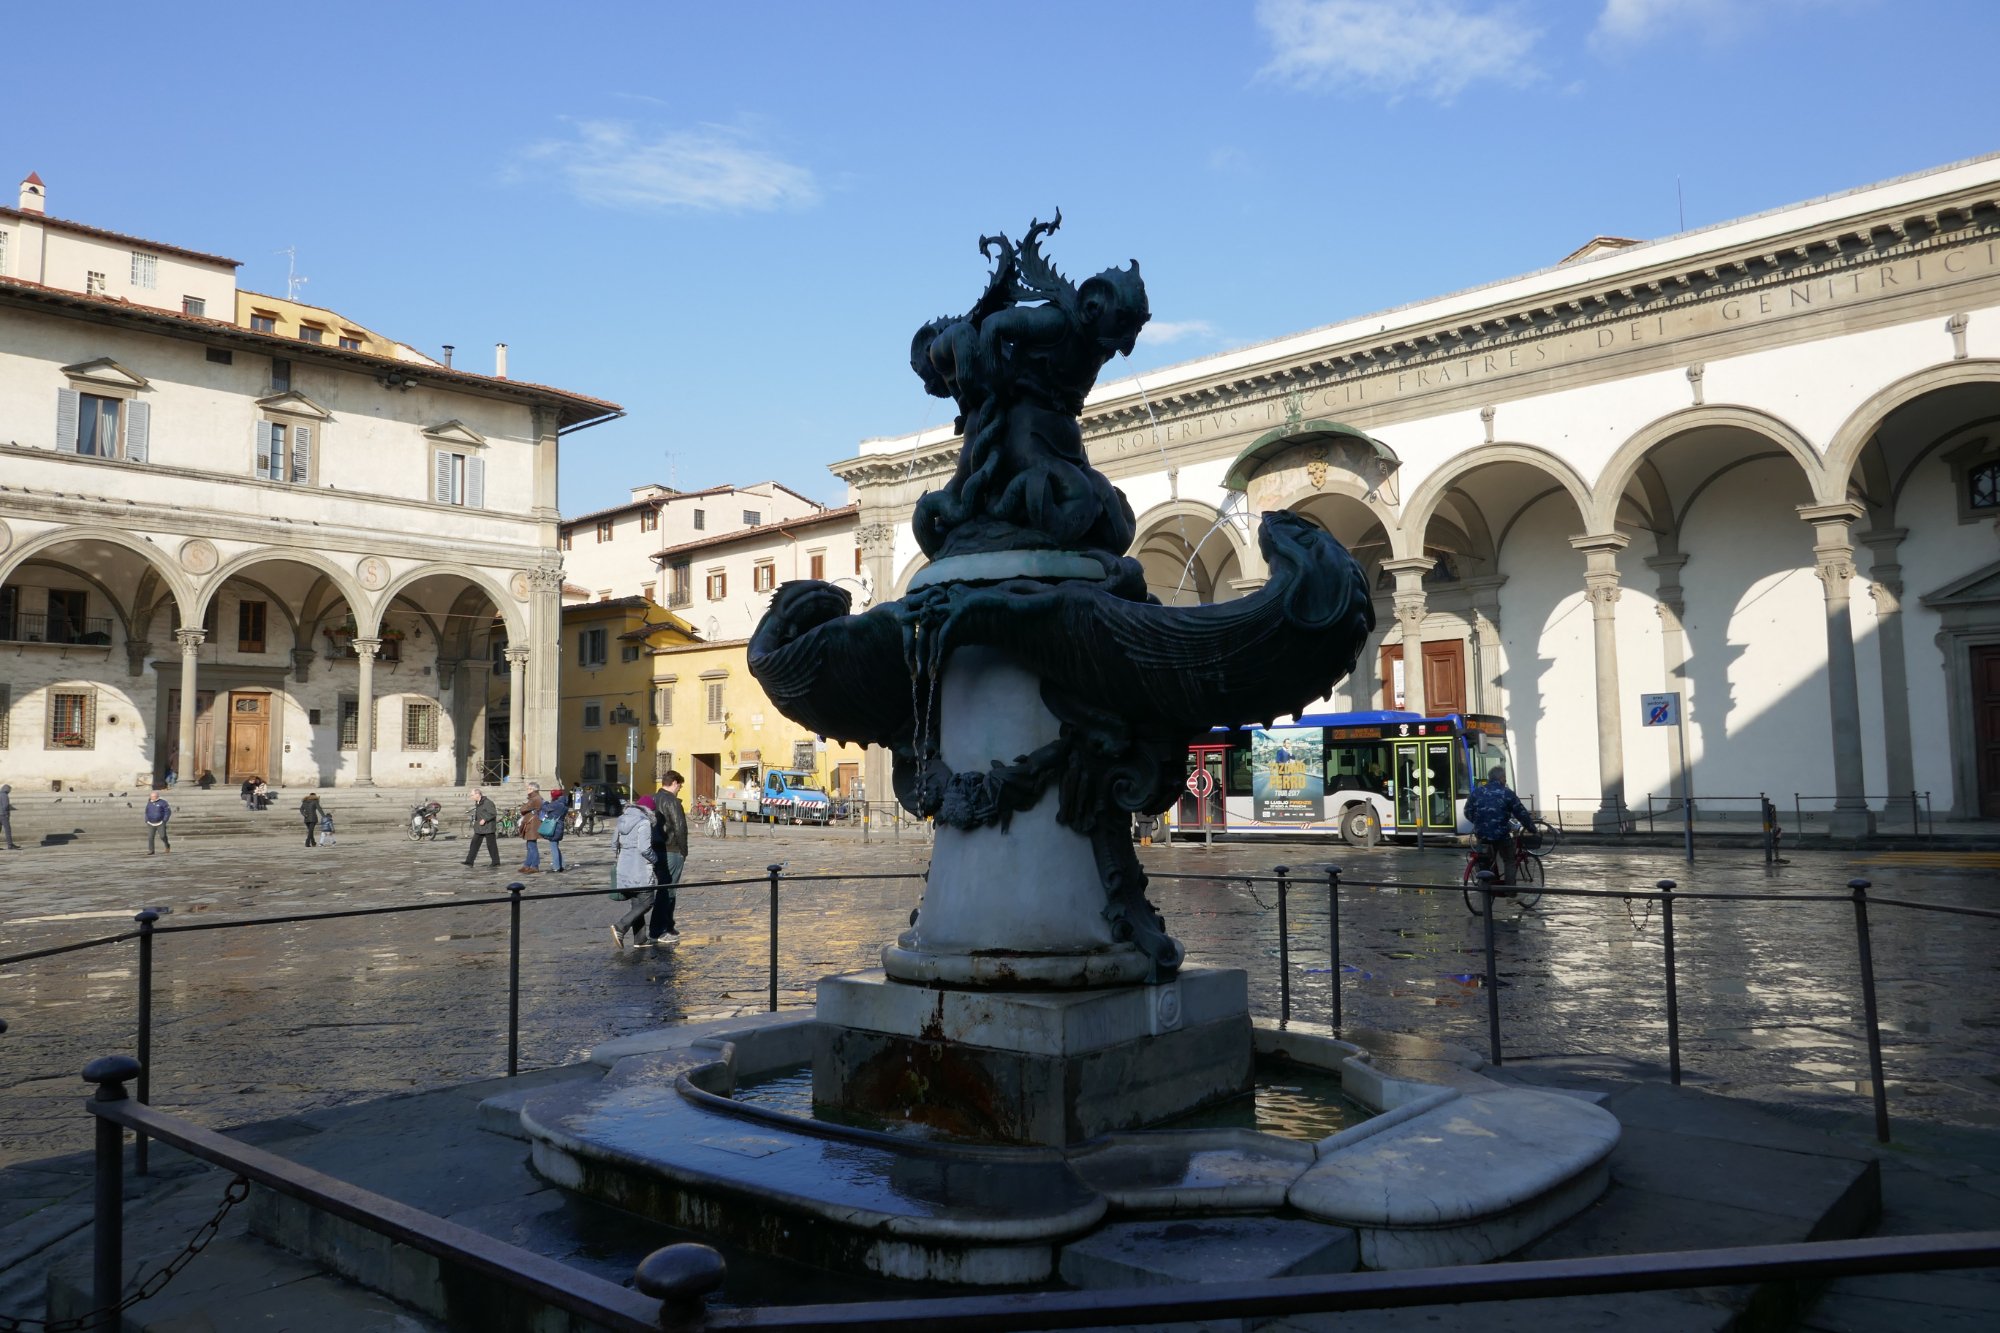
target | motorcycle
[{"x": 424, "y": 820}]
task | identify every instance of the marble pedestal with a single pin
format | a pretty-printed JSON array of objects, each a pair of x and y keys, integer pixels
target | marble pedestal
[{"x": 1031, "y": 1067}]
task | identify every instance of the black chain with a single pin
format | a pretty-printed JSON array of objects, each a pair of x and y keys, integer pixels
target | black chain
[{"x": 156, "y": 1281}]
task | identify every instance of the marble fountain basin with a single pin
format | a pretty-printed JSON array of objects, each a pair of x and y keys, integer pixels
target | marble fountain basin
[{"x": 1452, "y": 1168}]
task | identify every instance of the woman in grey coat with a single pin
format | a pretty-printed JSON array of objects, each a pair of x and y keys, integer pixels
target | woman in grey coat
[{"x": 632, "y": 844}]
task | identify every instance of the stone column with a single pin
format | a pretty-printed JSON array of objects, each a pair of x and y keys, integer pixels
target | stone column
[
  {"x": 1885, "y": 585},
  {"x": 449, "y": 697},
  {"x": 1485, "y": 668},
  {"x": 1672, "y": 610},
  {"x": 540, "y": 693},
  {"x": 364, "y": 711},
  {"x": 517, "y": 707},
  {"x": 189, "y": 765},
  {"x": 1411, "y": 608},
  {"x": 1833, "y": 562},
  {"x": 1600, "y": 578}
]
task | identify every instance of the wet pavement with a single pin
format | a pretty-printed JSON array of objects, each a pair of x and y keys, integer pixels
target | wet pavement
[{"x": 262, "y": 1022}]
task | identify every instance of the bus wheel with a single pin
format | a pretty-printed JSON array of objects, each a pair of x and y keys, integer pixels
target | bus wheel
[{"x": 1359, "y": 826}]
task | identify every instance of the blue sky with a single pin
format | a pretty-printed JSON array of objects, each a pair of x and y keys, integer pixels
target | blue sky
[{"x": 731, "y": 217}]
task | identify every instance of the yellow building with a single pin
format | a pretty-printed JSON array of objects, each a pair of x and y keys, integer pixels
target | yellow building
[
  {"x": 316, "y": 324},
  {"x": 718, "y": 729},
  {"x": 606, "y": 726}
]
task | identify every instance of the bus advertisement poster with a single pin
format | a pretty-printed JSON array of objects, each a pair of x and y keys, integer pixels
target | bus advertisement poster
[{"x": 1288, "y": 775}]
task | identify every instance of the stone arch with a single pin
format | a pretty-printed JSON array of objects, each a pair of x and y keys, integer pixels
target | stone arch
[
  {"x": 12, "y": 560},
  {"x": 1844, "y": 452},
  {"x": 910, "y": 570},
  {"x": 1423, "y": 504},
  {"x": 234, "y": 566},
  {"x": 1617, "y": 474},
  {"x": 503, "y": 601},
  {"x": 1201, "y": 533}
]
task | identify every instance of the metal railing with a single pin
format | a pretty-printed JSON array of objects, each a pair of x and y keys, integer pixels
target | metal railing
[
  {"x": 30, "y": 627},
  {"x": 1810, "y": 814},
  {"x": 673, "y": 1284}
]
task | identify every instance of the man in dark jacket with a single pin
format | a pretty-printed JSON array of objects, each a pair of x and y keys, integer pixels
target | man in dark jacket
[
  {"x": 670, "y": 839},
  {"x": 309, "y": 811},
  {"x": 7, "y": 815},
  {"x": 158, "y": 812},
  {"x": 485, "y": 825}
]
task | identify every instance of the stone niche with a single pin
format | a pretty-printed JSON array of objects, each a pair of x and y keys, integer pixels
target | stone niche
[{"x": 1020, "y": 1067}]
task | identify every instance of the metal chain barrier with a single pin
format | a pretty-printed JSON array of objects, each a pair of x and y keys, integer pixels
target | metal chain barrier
[{"x": 236, "y": 1192}]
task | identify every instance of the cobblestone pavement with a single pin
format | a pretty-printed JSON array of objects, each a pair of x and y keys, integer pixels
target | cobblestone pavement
[{"x": 256, "y": 1023}]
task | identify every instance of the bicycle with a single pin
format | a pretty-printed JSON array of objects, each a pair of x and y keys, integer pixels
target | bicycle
[
  {"x": 1528, "y": 874},
  {"x": 707, "y": 817}
]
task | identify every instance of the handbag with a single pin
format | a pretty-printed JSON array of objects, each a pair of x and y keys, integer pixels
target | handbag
[{"x": 547, "y": 827}]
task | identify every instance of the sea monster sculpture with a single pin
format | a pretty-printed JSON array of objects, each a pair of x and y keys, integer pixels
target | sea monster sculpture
[{"x": 1131, "y": 681}]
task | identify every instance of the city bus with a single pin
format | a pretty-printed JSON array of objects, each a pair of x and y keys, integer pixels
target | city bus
[{"x": 1357, "y": 776}]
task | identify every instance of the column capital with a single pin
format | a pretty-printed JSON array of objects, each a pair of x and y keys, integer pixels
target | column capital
[
  {"x": 1601, "y": 543},
  {"x": 190, "y": 639},
  {"x": 367, "y": 648},
  {"x": 302, "y": 659},
  {"x": 1843, "y": 513},
  {"x": 516, "y": 657},
  {"x": 1410, "y": 564},
  {"x": 1665, "y": 565},
  {"x": 1835, "y": 568},
  {"x": 1882, "y": 542}
]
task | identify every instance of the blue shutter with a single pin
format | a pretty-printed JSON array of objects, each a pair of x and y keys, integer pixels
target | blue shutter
[
  {"x": 138, "y": 424},
  {"x": 475, "y": 483},
  {"x": 68, "y": 405},
  {"x": 441, "y": 489},
  {"x": 302, "y": 443}
]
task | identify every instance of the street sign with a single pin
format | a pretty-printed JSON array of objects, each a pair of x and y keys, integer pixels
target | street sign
[
  {"x": 1660, "y": 710},
  {"x": 1200, "y": 782},
  {"x": 632, "y": 749}
]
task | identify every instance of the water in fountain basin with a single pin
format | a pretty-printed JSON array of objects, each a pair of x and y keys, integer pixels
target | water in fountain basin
[{"x": 1289, "y": 1100}]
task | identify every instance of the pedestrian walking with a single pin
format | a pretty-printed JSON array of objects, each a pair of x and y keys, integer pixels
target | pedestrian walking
[
  {"x": 158, "y": 812},
  {"x": 7, "y": 815},
  {"x": 325, "y": 827},
  {"x": 555, "y": 823},
  {"x": 309, "y": 812},
  {"x": 531, "y": 831},
  {"x": 485, "y": 822},
  {"x": 632, "y": 869},
  {"x": 670, "y": 847}
]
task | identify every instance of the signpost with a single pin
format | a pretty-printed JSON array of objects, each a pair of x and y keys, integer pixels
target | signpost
[
  {"x": 1664, "y": 710},
  {"x": 1200, "y": 784}
]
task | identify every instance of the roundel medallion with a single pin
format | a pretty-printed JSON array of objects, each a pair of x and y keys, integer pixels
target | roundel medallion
[
  {"x": 520, "y": 586},
  {"x": 198, "y": 555},
  {"x": 372, "y": 573}
]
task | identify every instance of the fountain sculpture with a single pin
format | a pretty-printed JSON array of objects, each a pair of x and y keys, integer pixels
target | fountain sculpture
[{"x": 1035, "y": 698}]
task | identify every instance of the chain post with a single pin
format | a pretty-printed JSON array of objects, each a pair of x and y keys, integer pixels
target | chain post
[
  {"x": 514, "y": 892},
  {"x": 1492, "y": 973},
  {"x": 1868, "y": 1011},
  {"x": 145, "y": 918},
  {"x": 1284, "y": 946},
  {"x": 1666, "y": 888},
  {"x": 110, "y": 1073},
  {"x": 1333, "y": 938},
  {"x": 776, "y": 869}
]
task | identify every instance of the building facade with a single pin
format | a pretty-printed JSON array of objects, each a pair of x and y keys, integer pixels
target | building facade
[
  {"x": 1754, "y": 465},
  {"x": 722, "y": 585},
  {"x": 225, "y": 551},
  {"x": 609, "y": 722},
  {"x": 610, "y": 552}
]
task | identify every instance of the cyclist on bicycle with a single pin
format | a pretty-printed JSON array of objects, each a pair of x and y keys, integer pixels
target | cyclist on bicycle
[{"x": 1492, "y": 810}]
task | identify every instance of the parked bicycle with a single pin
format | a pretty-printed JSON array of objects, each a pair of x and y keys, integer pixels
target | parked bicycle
[
  {"x": 706, "y": 816},
  {"x": 1524, "y": 892}
]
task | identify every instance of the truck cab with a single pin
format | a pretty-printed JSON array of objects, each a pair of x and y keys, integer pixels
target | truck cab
[{"x": 789, "y": 795}]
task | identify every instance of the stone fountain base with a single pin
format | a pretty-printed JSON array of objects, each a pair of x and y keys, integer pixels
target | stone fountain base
[{"x": 1031, "y": 1067}]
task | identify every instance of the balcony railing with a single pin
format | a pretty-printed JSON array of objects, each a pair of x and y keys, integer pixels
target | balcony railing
[{"x": 29, "y": 628}]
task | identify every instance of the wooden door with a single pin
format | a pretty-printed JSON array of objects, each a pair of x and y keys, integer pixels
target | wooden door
[
  {"x": 249, "y": 735},
  {"x": 1444, "y": 677},
  {"x": 1392, "y": 671},
  {"x": 844, "y": 778},
  {"x": 191, "y": 769},
  {"x": 1986, "y": 726},
  {"x": 705, "y": 766}
]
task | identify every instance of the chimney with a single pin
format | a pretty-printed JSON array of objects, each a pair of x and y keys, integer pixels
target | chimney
[
  {"x": 500, "y": 361},
  {"x": 448, "y": 350},
  {"x": 34, "y": 197}
]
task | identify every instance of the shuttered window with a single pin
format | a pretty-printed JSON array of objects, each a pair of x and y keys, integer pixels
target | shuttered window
[
  {"x": 420, "y": 725},
  {"x": 458, "y": 479},
  {"x": 715, "y": 701},
  {"x": 98, "y": 426}
]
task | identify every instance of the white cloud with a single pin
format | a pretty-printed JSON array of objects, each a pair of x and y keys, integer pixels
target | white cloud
[
  {"x": 706, "y": 168},
  {"x": 1165, "y": 331},
  {"x": 1432, "y": 48}
]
